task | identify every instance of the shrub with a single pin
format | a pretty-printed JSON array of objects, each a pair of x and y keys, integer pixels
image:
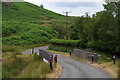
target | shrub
[
  {"x": 68, "y": 43},
  {"x": 90, "y": 44},
  {"x": 62, "y": 42}
]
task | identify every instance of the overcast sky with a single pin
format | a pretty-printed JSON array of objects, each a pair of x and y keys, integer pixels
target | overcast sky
[{"x": 78, "y": 7}]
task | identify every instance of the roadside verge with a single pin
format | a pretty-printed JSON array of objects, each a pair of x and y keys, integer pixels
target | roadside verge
[{"x": 56, "y": 73}]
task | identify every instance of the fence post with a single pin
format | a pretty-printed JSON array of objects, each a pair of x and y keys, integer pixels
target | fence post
[
  {"x": 70, "y": 52},
  {"x": 32, "y": 50},
  {"x": 114, "y": 59},
  {"x": 92, "y": 58},
  {"x": 55, "y": 58},
  {"x": 51, "y": 61},
  {"x": 55, "y": 61},
  {"x": 40, "y": 54}
]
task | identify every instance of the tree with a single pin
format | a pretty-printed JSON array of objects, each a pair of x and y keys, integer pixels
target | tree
[
  {"x": 114, "y": 8},
  {"x": 101, "y": 31},
  {"x": 60, "y": 28},
  {"x": 41, "y": 6}
]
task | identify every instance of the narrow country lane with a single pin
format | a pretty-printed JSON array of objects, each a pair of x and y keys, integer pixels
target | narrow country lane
[{"x": 75, "y": 69}]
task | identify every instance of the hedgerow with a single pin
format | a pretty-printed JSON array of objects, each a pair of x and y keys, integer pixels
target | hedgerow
[{"x": 63, "y": 42}]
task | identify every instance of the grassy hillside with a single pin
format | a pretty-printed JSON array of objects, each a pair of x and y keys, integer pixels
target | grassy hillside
[
  {"x": 19, "y": 33},
  {"x": 28, "y": 12},
  {"x": 26, "y": 23}
]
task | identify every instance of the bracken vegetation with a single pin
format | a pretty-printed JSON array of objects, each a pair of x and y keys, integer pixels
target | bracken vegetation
[
  {"x": 20, "y": 33},
  {"x": 24, "y": 23}
]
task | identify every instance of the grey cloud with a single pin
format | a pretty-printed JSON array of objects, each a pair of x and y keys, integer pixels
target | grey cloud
[{"x": 76, "y": 4}]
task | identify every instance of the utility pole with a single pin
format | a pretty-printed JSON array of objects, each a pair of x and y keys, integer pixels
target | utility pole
[{"x": 67, "y": 24}]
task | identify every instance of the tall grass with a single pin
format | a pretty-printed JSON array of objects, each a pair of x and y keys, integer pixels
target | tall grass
[
  {"x": 104, "y": 58},
  {"x": 22, "y": 66},
  {"x": 26, "y": 67},
  {"x": 6, "y": 48},
  {"x": 35, "y": 70},
  {"x": 13, "y": 68}
]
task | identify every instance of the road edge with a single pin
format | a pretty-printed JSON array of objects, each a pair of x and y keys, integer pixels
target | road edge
[{"x": 56, "y": 72}]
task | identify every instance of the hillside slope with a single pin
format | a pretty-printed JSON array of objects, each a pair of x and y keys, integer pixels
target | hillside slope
[
  {"x": 24, "y": 11},
  {"x": 26, "y": 23}
]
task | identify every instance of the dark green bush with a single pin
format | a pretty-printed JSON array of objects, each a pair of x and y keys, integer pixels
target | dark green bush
[{"x": 62, "y": 42}]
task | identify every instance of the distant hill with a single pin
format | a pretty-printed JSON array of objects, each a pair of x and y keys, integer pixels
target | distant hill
[{"x": 26, "y": 23}]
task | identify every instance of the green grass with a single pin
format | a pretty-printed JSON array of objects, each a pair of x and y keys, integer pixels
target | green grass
[
  {"x": 25, "y": 67},
  {"x": 13, "y": 68},
  {"x": 6, "y": 48},
  {"x": 39, "y": 70},
  {"x": 20, "y": 66},
  {"x": 28, "y": 12}
]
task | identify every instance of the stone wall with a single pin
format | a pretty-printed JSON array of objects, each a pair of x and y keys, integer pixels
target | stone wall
[
  {"x": 85, "y": 55},
  {"x": 45, "y": 54}
]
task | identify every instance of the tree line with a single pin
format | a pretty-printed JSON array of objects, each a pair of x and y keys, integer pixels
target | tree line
[{"x": 99, "y": 32}]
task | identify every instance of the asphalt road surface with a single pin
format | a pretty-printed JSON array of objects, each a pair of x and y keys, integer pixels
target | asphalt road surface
[{"x": 76, "y": 69}]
